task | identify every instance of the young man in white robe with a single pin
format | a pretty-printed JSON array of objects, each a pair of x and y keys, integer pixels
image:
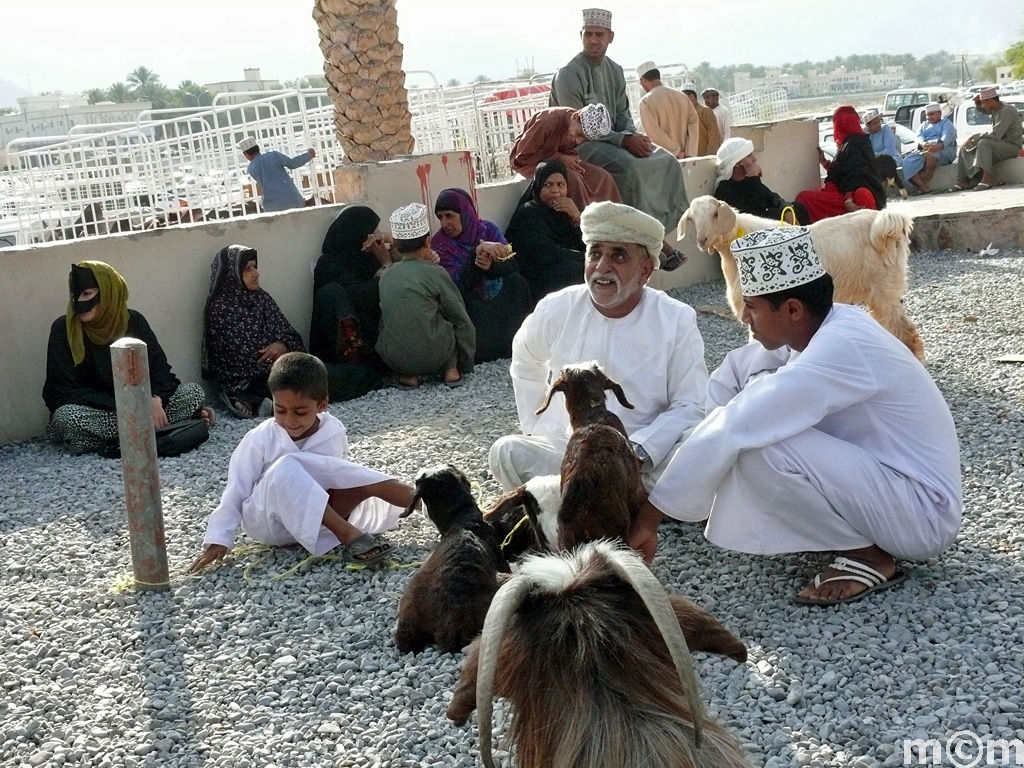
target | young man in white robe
[
  {"x": 823, "y": 434},
  {"x": 641, "y": 338},
  {"x": 290, "y": 480}
]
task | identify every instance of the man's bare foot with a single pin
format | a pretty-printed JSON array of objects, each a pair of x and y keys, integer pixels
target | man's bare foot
[{"x": 851, "y": 563}]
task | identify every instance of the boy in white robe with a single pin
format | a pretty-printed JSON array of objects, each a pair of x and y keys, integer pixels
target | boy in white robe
[
  {"x": 289, "y": 481},
  {"x": 823, "y": 434}
]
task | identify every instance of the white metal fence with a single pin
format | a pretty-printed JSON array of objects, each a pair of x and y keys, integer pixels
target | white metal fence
[{"x": 181, "y": 165}]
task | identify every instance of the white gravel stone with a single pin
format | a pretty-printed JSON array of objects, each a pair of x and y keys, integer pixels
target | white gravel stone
[{"x": 237, "y": 668}]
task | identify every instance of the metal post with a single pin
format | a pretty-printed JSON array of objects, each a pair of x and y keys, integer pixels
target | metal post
[{"x": 138, "y": 463}]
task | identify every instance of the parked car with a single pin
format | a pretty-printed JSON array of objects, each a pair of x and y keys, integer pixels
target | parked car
[{"x": 906, "y": 97}]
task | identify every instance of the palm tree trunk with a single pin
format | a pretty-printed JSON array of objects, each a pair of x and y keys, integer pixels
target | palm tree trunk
[{"x": 363, "y": 65}]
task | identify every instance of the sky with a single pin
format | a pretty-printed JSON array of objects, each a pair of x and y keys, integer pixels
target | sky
[{"x": 73, "y": 46}]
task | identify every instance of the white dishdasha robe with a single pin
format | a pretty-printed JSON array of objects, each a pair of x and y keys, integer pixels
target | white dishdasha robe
[
  {"x": 655, "y": 353},
  {"x": 277, "y": 489},
  {"x": 844, "y": 445}
]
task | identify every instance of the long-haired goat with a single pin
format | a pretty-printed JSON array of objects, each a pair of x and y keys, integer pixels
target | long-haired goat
[
  {"x": 446, "y": 600},
  {"x": 866, "y": 253},
  {"x": 594, "y": 659},
  {"x": 601, "y": 488},
  {"x": 527, "y": 517}
]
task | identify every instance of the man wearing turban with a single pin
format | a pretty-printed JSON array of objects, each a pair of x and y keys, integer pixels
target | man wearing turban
[{"x": 640, "y": 337}]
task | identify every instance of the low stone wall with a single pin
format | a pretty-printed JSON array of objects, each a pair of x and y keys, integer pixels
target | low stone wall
[{"x": 168, "y": 270}]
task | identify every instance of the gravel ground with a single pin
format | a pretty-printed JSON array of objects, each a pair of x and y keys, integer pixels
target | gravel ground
[{"x": 252, "y": 664}]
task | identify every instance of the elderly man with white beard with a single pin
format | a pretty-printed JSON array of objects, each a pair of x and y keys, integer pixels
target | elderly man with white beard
[{"x": 645, "y": 340}]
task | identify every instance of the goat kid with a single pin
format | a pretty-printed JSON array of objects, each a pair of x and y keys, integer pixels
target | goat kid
[
  {"x": 866, "y": 252},
  {"x": 527, "y": 518},
  {"x": 583, "y": 386},
  {"x": 446, "y": 601},
  {"x": 594, "y": 659}
]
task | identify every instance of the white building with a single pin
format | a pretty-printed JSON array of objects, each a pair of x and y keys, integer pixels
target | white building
[{"x": 251, "y": 82}]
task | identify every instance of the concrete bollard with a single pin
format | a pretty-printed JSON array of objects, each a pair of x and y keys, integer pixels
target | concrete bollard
[{"x": 138, "y": 463}]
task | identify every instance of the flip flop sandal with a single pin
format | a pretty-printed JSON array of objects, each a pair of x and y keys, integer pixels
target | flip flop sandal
[
  {"x": 981, "y": 185},
  {"x": 361, "y": 550},
  {"x": 235, "y": 406},
  {"x": 394, "y": 383},
  {"x": 673, "y": 260},
  {"x": 851, "y": 570},
  {"x": 455, "y": 384},
  {"x": 957, "y": 188}
]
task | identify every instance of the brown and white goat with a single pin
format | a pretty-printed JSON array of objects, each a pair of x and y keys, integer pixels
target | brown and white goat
[
  {"x": 527, "y": 517},
  {"x": 866, "y": 252},
  {"x": 601, "y": 488},
  {"x": 594, "y": 659},
  {"x": 446, "y": 601}
]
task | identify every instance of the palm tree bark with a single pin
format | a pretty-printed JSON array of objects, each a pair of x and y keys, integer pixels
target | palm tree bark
[{"x": 365, "y": 81}]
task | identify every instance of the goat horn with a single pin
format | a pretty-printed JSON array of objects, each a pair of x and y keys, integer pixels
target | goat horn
[
  {"x": 412, "y": 505},
  {"x": 505, "y": 602},
  {"x": 653, "y": 594}
]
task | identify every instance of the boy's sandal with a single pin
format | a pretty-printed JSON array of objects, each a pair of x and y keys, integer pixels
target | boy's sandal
[
  {"x": 396, "y": 383},
  {"x": 236, "y": 407},
  {"x": 981, "y": 185},
  {"x": 366, "y": 550}
]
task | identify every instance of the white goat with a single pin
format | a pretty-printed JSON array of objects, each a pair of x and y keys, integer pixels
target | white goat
[{"x": 866, "y": 253}]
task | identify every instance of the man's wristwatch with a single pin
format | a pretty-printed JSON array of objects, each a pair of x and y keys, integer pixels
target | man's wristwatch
[{"x": 640, "y": 452}]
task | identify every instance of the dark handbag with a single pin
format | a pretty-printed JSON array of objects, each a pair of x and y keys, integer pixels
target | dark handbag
[{"x": 172, "y": 440}]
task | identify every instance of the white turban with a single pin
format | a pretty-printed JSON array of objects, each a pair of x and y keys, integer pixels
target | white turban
[
  {"x": 617, "y": 223},
  {"x": 596, "y": 121},
  {"x": 730, "y": 153}
]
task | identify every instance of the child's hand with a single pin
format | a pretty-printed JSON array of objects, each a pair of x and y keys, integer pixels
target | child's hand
[{"x": 211, "y": 554}]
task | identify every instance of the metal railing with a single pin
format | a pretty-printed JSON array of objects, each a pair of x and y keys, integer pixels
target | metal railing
[{"x": 175, "y": 166}]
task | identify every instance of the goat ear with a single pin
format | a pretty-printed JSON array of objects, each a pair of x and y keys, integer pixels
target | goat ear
[
  {"x": 617, "y": 391},
  {"x": 413, "y": 506},
  {"x": 703, "y": 632},
  {"x": 557, "y": 386},
  {"x": 683, "y": 221}
]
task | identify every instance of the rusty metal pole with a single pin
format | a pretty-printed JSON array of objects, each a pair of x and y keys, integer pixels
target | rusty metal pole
[{"x": 138, "y": 463}]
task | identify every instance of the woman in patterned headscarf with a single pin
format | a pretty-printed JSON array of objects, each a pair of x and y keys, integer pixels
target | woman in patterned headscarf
[
  {"x": 79, "y": 387},
  {"x": 244, "y": 332},
  {"x": 555, "y": 133},
  {"x": 480, "y": 263}
]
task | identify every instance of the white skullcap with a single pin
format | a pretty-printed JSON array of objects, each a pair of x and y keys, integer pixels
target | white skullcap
[
  {"x": 709, "y": 90},
  {"x": 773, "y": 260},
  {"x": 596, "y": 121},
  {"x": 618, "y": 223},
  {"x": 870, "y": 115},
  {"x": 644, "y": 68},
  {"x": 932, "y": 106},
  {"x": 410, "y": 222},
  {"x": 730, "y": 153},
  {"x": 688, "y": 86},
  {"x": 246, "y": 144},
  {"x": 597, "y": 17}
]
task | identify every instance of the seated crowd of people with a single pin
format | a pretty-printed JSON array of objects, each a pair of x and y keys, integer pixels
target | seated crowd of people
[{"x": 824, "y": 433}]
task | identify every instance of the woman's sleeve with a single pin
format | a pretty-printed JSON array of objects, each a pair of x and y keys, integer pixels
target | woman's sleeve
[
  {"x": 280, "y": 329},
  {"x": 533, "y": 243},
  {"x": 62, "y": 385},
  {"x": 162, "y": 381}
]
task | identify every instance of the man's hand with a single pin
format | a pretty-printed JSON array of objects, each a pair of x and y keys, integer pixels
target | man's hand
[
  {"x": 637, "y": 145},
  {"x": 211, "y": 554},
  {"x": 271, "y": 352},
  {"x": 572, "y": 163},
  {"x": 312, "y": 153},
  {"x": 643, "y": 534},
  {"x": 159, "y": 415}
]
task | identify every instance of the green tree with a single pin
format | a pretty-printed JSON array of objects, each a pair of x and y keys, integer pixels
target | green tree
[
  {"x": 141, "y": 76},
  {"x": 481, "y": 79},
  {"x": 1014, "y": 57},
  {"x": 120, "y": 93},
  {"x": 190, "y": 94},
  {"x": 6, "y": 110},
  {"x": 156, "y": 93},
  {"x": 452, "y": 83},
  {"x": 96, "y": 95}
]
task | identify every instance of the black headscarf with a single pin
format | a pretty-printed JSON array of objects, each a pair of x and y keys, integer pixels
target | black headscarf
[
  {"x": 541, "y": 175},
  {"x": 342, "y": 259}
]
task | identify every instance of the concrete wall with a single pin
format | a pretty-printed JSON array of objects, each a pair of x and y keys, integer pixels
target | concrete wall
[{"x": 168, "y": 270}]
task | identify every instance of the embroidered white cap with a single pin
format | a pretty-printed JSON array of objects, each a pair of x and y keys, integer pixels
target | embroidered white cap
[
  {"x": 597, "y": 17},
  {"x": 644, "y": 68},
  {"x": 246, "y": 144},
  {"x": 773, "y": 260},
  {"x": 410, "y": 222},
  {"x": 870, "y": 115},
  {"x": 932, "y": 106},
  {"x": 596, "y": 121},
  {"x": 688, "y": 86}
]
